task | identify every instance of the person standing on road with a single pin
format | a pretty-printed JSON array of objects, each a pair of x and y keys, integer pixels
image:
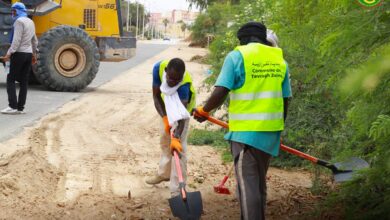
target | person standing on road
[
  {"x": 257, "y": 78},
  {"x": 174, "y": 99},
  {"x": 21, "y": 54}
]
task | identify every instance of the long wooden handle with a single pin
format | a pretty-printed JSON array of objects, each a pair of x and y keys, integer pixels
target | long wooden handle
[{"x": 282, "y": 146}]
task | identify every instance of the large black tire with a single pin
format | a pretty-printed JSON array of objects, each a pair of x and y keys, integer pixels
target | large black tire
[
  {"x": 68, "y": 59},
  {"x": 32, "y": 79}
]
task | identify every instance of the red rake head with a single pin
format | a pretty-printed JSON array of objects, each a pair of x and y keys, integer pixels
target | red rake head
[{"x": 221, "y": 189}]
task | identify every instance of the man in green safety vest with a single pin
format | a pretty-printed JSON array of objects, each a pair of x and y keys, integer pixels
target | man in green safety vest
[
  {"x": 256, "y": 76},
  {"x": 174, "y": 99}
]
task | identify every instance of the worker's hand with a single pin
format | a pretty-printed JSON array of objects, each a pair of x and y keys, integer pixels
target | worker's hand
[
  {"x": 200, "y": 115},
  {"x": 5, "y": 58},
  {"x": 34, "y": 59},
  {"x": 176, "y": 145},
  {"x": 167, "y": 128}
]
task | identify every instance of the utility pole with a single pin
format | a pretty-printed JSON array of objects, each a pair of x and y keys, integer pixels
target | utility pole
[
  {"x": 136, "y": 30},
  {"x": 143, "y": 21},
  {"x": 149, "y": 23},
  {"x": 128, "y": 15}
]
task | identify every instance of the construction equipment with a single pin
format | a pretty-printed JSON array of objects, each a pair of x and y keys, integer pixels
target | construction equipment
[
  {"x": 342, "y": 171},
  {"x": 187, "y": 205},
  {"x": 74, "y": 36}
]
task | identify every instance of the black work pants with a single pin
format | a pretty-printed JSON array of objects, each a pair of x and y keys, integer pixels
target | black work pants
[
  {"x": 251, "y": 166},
  {"x": 20, "y": 68}
]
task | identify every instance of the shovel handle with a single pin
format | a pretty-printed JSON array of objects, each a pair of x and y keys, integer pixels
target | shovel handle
[
  {"x": 298, "y": 153},
  {"x": 180, "y": 175},
  {"x": 178, "y": 167},
  {"x": 282, "y": 146},
  {"x": 211, "y": 119}
]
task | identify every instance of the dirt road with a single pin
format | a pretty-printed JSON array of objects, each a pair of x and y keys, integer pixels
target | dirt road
[{"x": 81, "y": 161}]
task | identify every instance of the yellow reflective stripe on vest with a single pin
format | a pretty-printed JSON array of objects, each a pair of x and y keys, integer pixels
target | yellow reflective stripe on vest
[
  {"x": 254, "y": 96},
  {"x": 258, "y": 104},
  {"x": 187, "y": 79}
]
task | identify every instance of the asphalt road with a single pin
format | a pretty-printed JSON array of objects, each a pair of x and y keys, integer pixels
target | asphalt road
[{"x": 41, "y": 101}]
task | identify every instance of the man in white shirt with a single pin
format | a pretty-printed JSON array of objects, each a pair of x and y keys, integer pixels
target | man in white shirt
[{"x": 21, "y": 55}]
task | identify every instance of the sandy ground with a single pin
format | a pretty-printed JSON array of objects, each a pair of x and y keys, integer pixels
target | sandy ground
[{"x": 81, "y": 161}]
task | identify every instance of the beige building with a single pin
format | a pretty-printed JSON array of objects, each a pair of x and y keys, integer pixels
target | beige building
[{"x": 187, "y": 17}]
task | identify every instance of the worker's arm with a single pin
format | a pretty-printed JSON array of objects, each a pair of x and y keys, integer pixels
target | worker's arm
[
  {"x": 286, "y": 90},
  {"x": 158, "y": 102},
  {"x": 285, "y": 102},
  {"x": 216, "y": 99},
  {"x": 34, "y": 43}
]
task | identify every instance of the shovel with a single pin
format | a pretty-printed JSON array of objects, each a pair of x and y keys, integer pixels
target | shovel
[
  {"x": 342, "y": 171},
  {"x": 187, "y": 205}
]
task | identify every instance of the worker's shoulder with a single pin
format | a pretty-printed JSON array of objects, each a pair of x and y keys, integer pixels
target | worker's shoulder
[
  {"x": 234, "y": 54},
  {"x": 25, "y": 21}
]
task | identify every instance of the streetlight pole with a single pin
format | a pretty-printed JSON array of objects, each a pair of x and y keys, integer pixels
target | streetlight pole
[
  {"x": 128, "y": 15},
  {"x": 143, "y": 20},
  {"x": 136, "y": 30}
]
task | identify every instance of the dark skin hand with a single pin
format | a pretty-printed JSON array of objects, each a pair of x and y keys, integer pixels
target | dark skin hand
[
  {"x": 218, "y": 97},
  {"x": 172, "y": 80}
]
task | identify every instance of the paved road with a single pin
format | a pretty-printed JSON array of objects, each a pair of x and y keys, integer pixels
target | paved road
[{"x": 40, "y": 101}]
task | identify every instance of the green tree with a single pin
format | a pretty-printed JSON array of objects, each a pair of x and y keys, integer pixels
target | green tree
[
  {"x": 338, "y": 56},
  {"x": 165, "y": 22},
  {"x": 213, "y": 21},
  {"x": 203, "y": 4},
  {"x": 183, "y": 28},
  {"x": 142, "y": 14}
]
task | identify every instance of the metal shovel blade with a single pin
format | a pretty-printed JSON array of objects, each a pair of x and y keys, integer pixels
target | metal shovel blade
[
  {"x": 189, "y": 209},
  {"x": 345, "y": 169}
]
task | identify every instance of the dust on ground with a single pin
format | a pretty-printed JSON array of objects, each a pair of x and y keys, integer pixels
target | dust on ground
[{"x": 82, "y": 161}]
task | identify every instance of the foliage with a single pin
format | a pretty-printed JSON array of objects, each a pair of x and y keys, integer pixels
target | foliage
[
  {"x": 142, "y": 14},
  {"x": 338, "y": 55},
  {"x": 213, "y": 138},
  {"x": 165, "y": 22},
  {"x": 203, "y": 4},
  {"x": 211, "y": 23}
]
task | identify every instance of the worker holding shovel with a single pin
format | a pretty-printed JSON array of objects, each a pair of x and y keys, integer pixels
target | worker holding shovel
[
  {"x": 174, "y": 98},
  {"x": 256, "y": 76}
]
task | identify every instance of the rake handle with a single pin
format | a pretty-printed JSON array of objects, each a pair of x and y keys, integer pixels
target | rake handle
[
  {"x": 282, "y": 146},
  {"x": 225, "y": 178}
]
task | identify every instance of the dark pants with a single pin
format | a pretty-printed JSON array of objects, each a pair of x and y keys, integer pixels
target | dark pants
[
  {"x": 20, "y": 68},
  {"x": 251, "y": 169}
]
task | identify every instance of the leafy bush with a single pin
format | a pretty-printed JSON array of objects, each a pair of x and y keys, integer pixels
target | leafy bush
[
  {"x": 338, "y": 55},
  {"x": 213, "y": 138}
]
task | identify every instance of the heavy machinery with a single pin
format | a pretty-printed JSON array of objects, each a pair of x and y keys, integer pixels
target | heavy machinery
[{"x": 74, "y": 36}]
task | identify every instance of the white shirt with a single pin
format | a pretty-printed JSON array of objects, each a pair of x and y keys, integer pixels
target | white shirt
[{"x": 24, "y": 39}]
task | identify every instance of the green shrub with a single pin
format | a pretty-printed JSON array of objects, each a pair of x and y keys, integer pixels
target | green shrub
[
  {"x": 212, "y": 138},
  {"x": 338, "y": 56}
]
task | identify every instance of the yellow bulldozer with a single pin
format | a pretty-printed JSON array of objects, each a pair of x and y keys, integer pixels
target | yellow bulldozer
[{"x": 74, "y": 36}]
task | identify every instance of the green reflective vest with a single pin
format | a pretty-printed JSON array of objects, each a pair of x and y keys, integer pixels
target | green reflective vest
[
  {"x": 187, "y": 79},
  {"x": 258, "y": 104}
]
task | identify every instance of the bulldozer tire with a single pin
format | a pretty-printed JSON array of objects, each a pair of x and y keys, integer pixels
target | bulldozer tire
[
  {"x": 32, "y": 79},
  {"x": 68, "y": 59}
]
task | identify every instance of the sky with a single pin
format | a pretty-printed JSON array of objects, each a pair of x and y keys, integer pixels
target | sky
[{"x": 164, "y": 5}]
